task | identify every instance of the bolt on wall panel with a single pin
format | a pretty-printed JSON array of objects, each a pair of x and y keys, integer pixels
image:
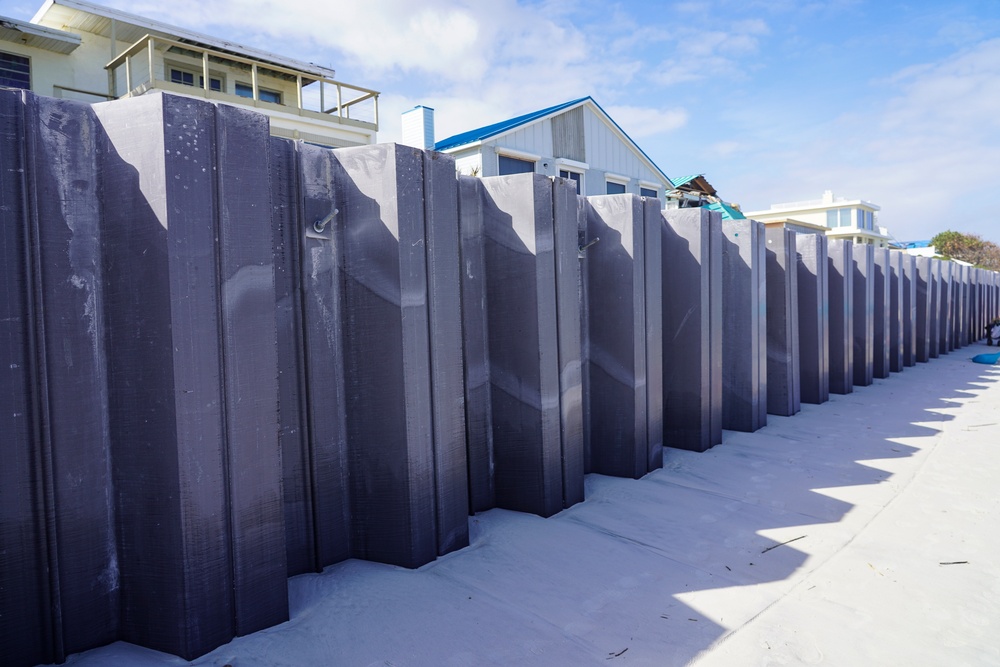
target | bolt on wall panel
[
  {"x": 744, "y": 304},
  {"x": 314, "y": 257},
  {"x": 814, "y": 317},
  {"x": 842, "y": 346},
  {"x": 193, "y": 373},
  {"x": 475, "y": 347},
  {"x": 908, "y": 275},
  {"x": 524, "y": 344},
  {"x": 883, "y": 280},
  {"x": 567, "y": 217},
  {"x": 783, "y": 393},
  {"x": 692, "y": 328},
  {"x": 616, "y": 282},
  {"x": 385, "y": 325},
  {"x": 293, "y": 431}
]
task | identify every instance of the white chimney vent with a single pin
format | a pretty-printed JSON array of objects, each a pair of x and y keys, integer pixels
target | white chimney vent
[{"x": 418, "y": 127}]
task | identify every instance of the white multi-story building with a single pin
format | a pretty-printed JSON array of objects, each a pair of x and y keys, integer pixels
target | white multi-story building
[
  {"x": 854, "y": 219},
  {"x": 79, "y": 50}
]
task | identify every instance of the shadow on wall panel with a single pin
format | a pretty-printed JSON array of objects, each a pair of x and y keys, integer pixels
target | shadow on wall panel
[
  {"x": 814, "y": 317},
  {"x": 783, "y": 393},
  {"x": 842, "y": 344},
  {"x": 58, "y": 557},
  {"x": 880, "y": 367},
  {"x": 864, "y": 313},
  {"x": 924, "y": 308},
  {"x": 744, "y": 333},
  {"x": 192, "y": 363},
  {"x": 537, "y": 463},
  {"x": 896, "y": 303},
  {"x": 692, "y": 328},
  {"x": 379, "y": 471},
  {"x": 623, "y": 283}
]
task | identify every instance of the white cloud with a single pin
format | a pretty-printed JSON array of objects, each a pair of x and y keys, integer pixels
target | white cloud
[
  {"x": 640, "y": 122},
  {"x": 927, "y": 153}
]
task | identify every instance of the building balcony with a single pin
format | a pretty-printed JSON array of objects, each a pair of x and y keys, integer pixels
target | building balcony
[{"x": 300, "y": 104}]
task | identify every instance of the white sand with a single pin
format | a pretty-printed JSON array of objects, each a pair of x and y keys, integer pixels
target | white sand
[{"x": 882, "y": 487}]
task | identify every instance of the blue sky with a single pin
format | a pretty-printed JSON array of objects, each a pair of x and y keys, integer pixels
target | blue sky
[{"x": 897, "y": 103}]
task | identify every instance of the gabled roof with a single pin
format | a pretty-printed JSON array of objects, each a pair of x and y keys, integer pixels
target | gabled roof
[
  {"x": 497, "y": 129},
  {"x": 503, "y": 126}
]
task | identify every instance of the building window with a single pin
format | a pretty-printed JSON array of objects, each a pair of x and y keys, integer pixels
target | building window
[
  {"x": 265, "y": 95},
  {"x": 575, "y": 176},
  {"x": 511, "y": 165},
  {"x": 186, "y": 78},
  {"x": 646, "y": 192},
  {"x": 15, "y": 71},
  {"x": 839, "y": 217},
  {"x": 616, "y": 188}
]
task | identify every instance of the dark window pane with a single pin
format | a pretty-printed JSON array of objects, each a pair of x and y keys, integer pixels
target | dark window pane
[
  {"x": 511, "y": 165},
  {"x": 646, "y": 192},
  {"x": 616, "y": 188},
  {"x": 14, "y": 71},
  {"x": 243, "y": 90},
  {"x": 271, "y": 96},
  {"x": 181, "y": 77},
  {"x": 573, "y": 176}
]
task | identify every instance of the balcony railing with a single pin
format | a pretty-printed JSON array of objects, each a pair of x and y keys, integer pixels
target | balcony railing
[{"x": 133, "y": 72}]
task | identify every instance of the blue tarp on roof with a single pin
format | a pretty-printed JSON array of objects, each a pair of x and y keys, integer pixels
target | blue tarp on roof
[
  {"x": 916, "y": 244},
  {"x": 727, "y": 211},
  {"x": 482, "y": 133}
]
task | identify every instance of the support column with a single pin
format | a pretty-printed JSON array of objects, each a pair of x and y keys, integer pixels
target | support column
[
  {"x": 783, "y": 392},
  {"x": 814, "y": 314},
  {"x": 841, "y": 262},
  {"x": 744, "y": 339},
  {"x": 692, "y": 328}
]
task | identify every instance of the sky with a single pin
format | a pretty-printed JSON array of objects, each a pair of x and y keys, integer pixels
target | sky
[{"x": 896, "y": 103}]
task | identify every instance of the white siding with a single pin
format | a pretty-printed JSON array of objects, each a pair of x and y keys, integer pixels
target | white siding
[
  {"x": 607, "y": 152},
  {"x": 535, "y": 138}
]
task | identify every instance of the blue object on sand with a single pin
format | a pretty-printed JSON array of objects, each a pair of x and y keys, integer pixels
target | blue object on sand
[{"x": 987, "y": 358}]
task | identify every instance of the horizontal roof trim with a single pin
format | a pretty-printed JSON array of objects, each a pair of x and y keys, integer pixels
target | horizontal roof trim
[{"x": 38, "y": 36}]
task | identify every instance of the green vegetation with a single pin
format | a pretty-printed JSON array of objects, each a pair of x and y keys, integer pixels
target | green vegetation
[{"x": 968, "y": 248}]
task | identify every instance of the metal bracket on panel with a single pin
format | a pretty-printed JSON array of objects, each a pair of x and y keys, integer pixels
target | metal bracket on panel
[
  {"x": 583, "y": 248},
  {"x": 321, "y": 229}
]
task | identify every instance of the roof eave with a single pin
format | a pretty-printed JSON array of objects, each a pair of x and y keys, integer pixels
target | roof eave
[{"x": 195, "y": 38}]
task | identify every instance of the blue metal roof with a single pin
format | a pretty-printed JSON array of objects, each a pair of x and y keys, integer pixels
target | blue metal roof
[
  {"x": 916, "y": 244},
  {"x": 503, "y": 126},
  {"x": 678, "y": 182},
  {"x": 488, "y": 131},
  {"x": 727, "y": 211}
]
